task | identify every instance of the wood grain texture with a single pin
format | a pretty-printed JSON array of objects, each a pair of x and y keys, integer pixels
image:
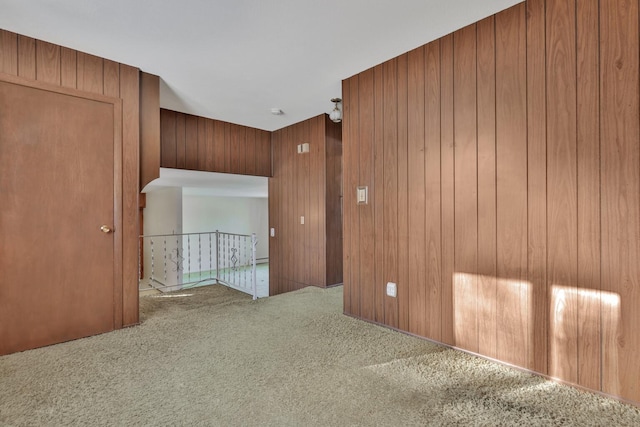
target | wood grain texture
[
  {"x": 376, "y": 192},
  {"x": 330, "y": 225},
  {"x": 348, "y": 201},
  {"x": 202, "y": 143},
  {"x": 403, "y": 202},
  {"x": 191, "y": 142},
  {"x": 486, "y": 84},
  {"x": 447, "y": 199},
  {"x": 465, "y": 291},
  {"x": 308, "y": 185},
  {"x": 181, "y": 141},
  {"x": 48, "y": 62},
  {"x": 56, "y": 65},
  {"x": 620, "y": 186},
  {"x": 68, "y": 67},
  {"x": 432, "y": 178},
  {"x": 552, "y": 184},
  {"x": 537, "y": 181},
  {"x": 90, "y": 73},
  {"x": 390, "y": 229},
  {"x": 8, "y": 52},
  {"x": 562, "y": 189},
  {"x": 149, "y": 128},
  {"x": 316, "y": 213},
  {"x": 417, "y": 253},
  {"x": 513, "y": 289},
  {"x": 130, "y": 94},
  {"x": 26, "y": 57},
  {"x": 168, "y": 139},
  {"x": 111, "y": 80},
  {"x": 249, "y": 150},
  {"x": 588, "y": 169},
  {"x": 218, "y": 146},
  {"x": 366, "y": 240}
]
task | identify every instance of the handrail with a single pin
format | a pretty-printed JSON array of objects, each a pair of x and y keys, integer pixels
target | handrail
[{"x": 225, "y": 258}]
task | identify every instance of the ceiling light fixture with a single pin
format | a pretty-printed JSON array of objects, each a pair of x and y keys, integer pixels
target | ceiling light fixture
[
  {"x": 336, "y": 114},
  {"x": 277, "y": 111}
]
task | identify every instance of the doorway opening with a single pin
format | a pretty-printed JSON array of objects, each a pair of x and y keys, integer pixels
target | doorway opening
[{"x": 204, "y": 223}]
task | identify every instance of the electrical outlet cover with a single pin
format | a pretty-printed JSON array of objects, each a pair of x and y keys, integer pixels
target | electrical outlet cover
[{"x": 392, "y": 289}]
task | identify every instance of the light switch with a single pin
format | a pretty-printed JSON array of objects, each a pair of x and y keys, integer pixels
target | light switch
[
  {"x": 362, "y": 195},
  {"x": 302, "y": 220},
  {"x": 272, "y": 232}
]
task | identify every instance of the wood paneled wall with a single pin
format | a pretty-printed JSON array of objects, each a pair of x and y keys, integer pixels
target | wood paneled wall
[
  {"x": 149, "y": 128},
  {"x": 48, "y": 63},
  {"x": 503, "y": 163},
  {"x": 198, "y": 143},
  {"x": 309, "y": 185}
]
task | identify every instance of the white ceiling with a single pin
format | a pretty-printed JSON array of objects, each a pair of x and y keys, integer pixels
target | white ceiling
[{"x": 234, "y": 60}]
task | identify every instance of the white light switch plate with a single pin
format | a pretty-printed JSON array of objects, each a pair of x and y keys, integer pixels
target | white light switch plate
[
  {"x": 302, "y": 220},
  {"x": 362, "y": 195},
  {"x": 272, "y": 232}
]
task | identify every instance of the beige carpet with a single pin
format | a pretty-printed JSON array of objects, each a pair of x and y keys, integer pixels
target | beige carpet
[{"x": 213, "y": 357}]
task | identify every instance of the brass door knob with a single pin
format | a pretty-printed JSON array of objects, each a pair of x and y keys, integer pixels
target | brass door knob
[{"x": 106, "y": 229}]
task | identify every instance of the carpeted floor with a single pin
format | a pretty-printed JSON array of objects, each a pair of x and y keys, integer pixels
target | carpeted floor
[{"x": 213, "y": 357}]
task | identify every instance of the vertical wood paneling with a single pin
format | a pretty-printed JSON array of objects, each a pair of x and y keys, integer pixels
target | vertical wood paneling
[
  {"x": 68, "y": 67},
  {"x": 191, "y": 142},
  {"x": 403, "y": 209},
  {"x": 181, "y": 143},
  {"x": 168, "y": 139},
  {"x": 432, "y": 177},
  {"x": 376, "y": 192},
  {"x": 620, "y": 185},
  {"x": 562, "y": 212},
  {"x": 352, "y": 227},
  {"x": 26, "y": 57},
  {"x": 348, "y": 198},
  {"x": 366, "y": 245},
  {"x": 466, "y": 190},
  {"x": 330, "y": 171},
  {"x": 90, "y": 73},
  {"x": 447, "y": 188},
  {"x": 511, "y": 190},
  {"x": 302, "y": 135},
  {"x": 218, "y": 146},
  {"x": 209, "y": 146},
  {"x": 149, "y": 128},
  {"x": 417, "y": 284},
  {"x": 266, "y": 155},
  {"x": 202, "y": 144},
  {"x": 486, "y": 83},
  {"x": 48, "y": 62},
  {"x": 275, "y": 203},
  {"x": 537, "y": 177},
  {"x": 588, "y": 168},
  {"x": 238, "y": 149},
  {"x": 8, "y": 52},
  {"x": 315, "y": 212},
  {"x": 250, "y": 151},
  {"x": 390, "y": 108},
  {"x": 529, "y": 180},
  {"x": 111, "y": 81},
  {"x": 227, "y": 147},
  {"x": 130, "y": 94}
]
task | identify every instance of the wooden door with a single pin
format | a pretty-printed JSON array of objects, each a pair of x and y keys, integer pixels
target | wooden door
[{"x": 60, "y": 163}]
